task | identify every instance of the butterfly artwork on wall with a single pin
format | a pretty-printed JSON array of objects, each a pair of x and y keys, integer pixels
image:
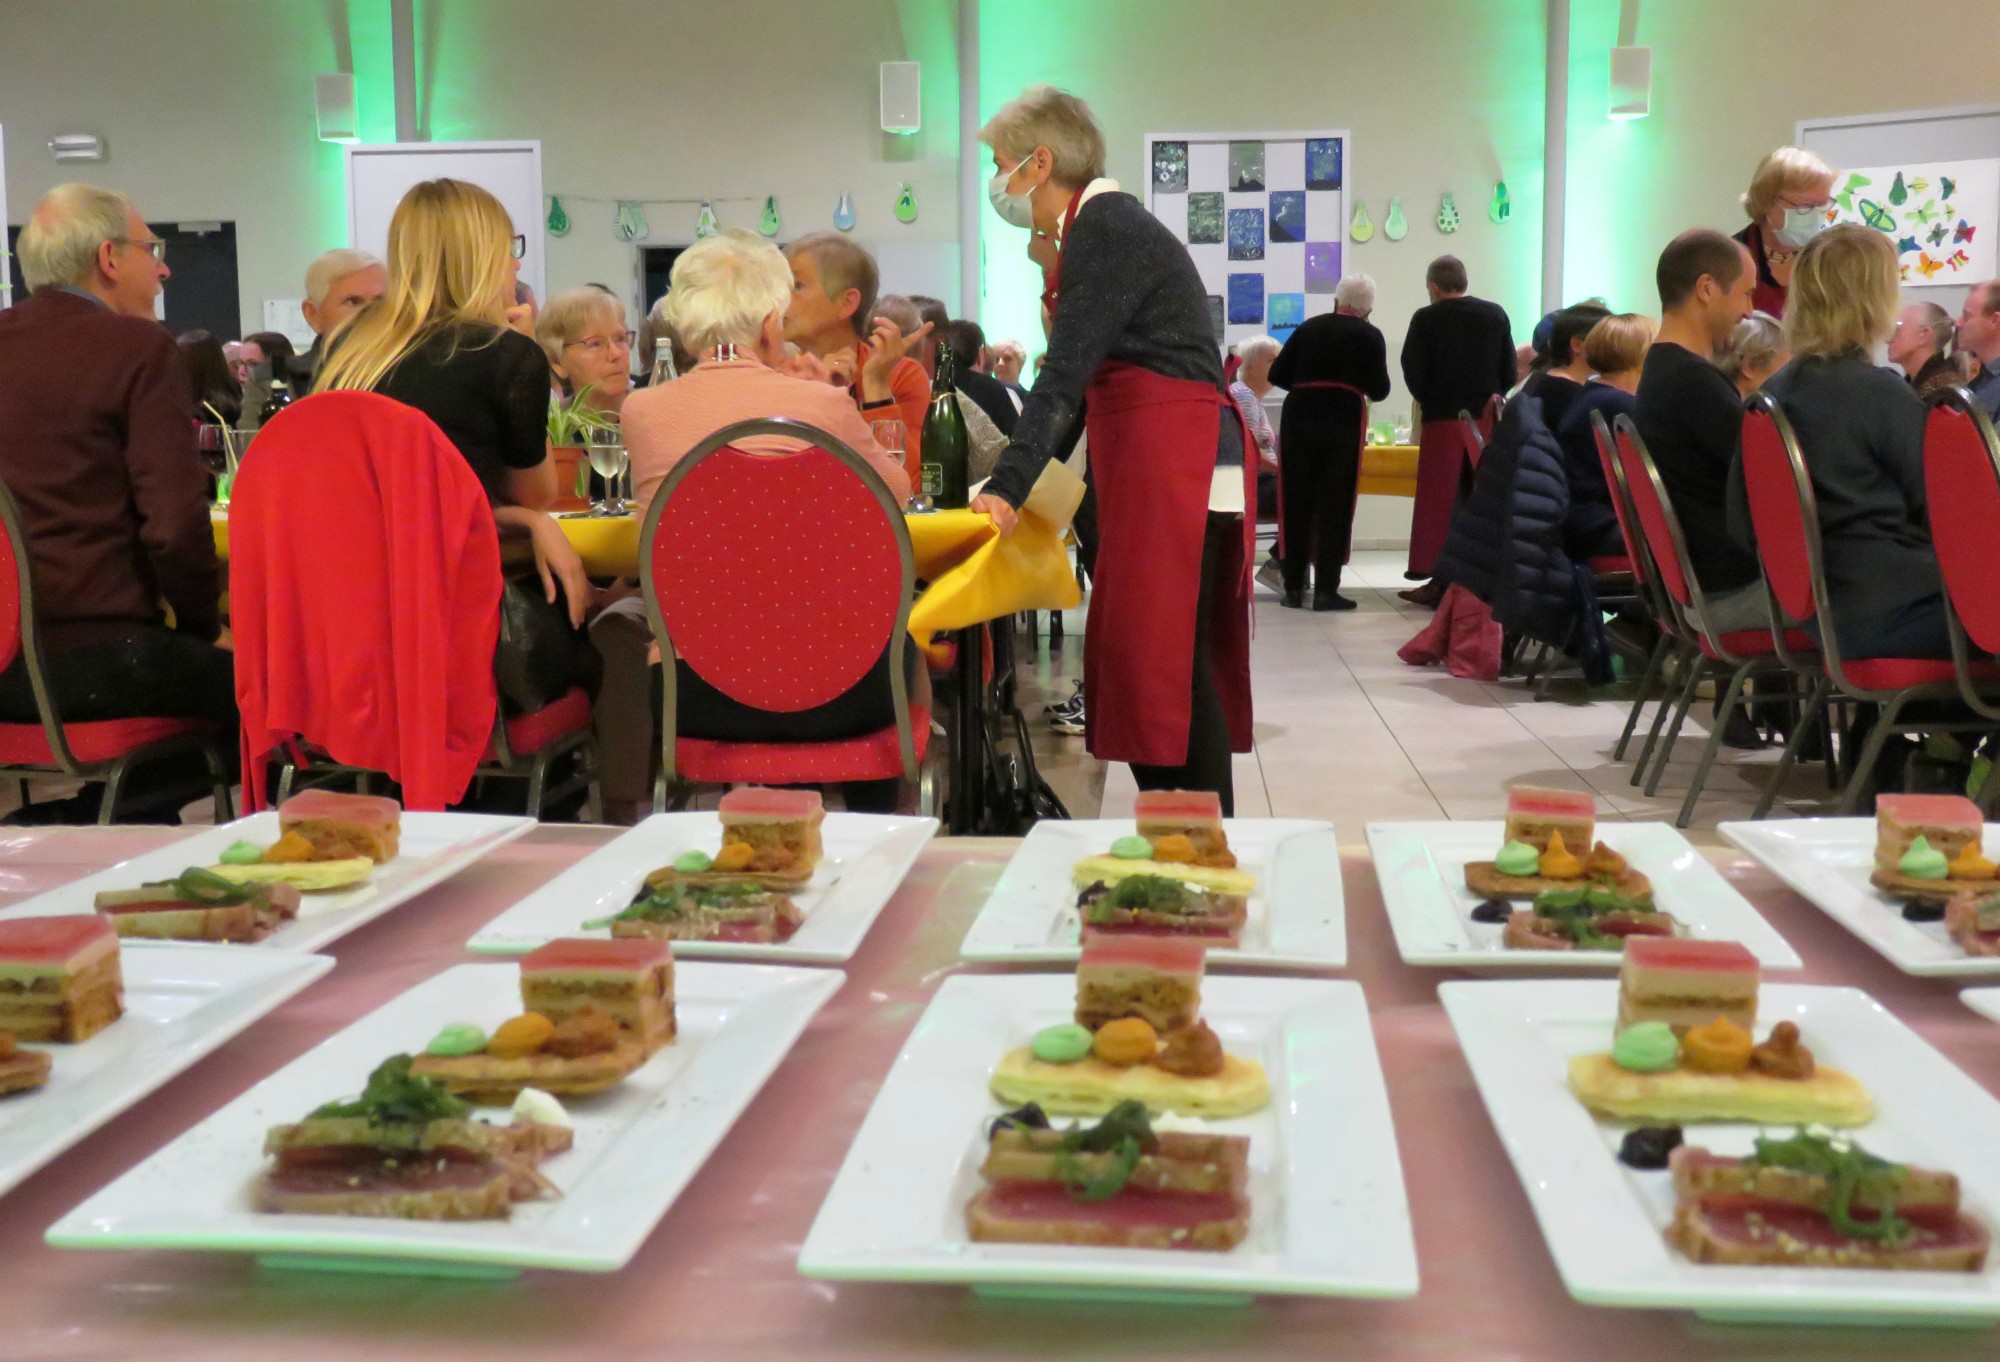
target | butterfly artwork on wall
[
  {"x": 1845, "y": 198},
  {"x": 1926, "y": 266},
  {"x": 1924, "y": 214},
  {"x": 1938, "y": 234},
  {"x": 1964, "y": 232}
]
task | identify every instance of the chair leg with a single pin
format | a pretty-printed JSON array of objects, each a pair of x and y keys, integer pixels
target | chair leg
[
  {"x": 1664, "y": 757},
  {"x": 287, "y": 774},
  {"x": 1535, "y": 661},
  {"x": 1670, "y": 687},
  {"x": 1989, "y": 788},
  {"x": 113, "y": 783},
  {"x": 1810, "y": 714},
  {"x": 218, "y": 780},
  {"x": 593, "y": 790},
  {"x": 1863, "y": 774},
  {"x": 1731, "y": 699},
  {"x": 538, "y": 776},
  {"x": 1654, "y": 664}
]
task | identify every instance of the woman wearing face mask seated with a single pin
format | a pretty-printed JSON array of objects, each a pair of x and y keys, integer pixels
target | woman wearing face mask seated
[
  {"x": 1167, "y": 648},
  {"x": 1787, "y": 203},
  {"x": 727, "y": 305}
]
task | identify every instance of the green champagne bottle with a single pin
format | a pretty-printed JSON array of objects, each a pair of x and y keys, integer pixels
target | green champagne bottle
[{"x": 947, "y": 448}]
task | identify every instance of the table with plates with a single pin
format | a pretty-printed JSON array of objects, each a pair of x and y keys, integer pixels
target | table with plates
[{"x": 717, "y": 1278}]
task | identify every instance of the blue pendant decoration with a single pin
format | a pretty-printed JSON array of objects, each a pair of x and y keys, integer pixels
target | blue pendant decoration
[{"x": 843, "y": 213}]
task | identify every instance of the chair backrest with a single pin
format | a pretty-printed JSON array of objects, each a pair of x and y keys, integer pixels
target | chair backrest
[
  {"x": 18, "y": 636},
  {"x": 779, "y": 578},
  {"x": 1658, "y": 524},
  {"x": 1781, "y": 499},
  {"x": 1962, "y": 487},
  {"x": 1621, "y": 498}
]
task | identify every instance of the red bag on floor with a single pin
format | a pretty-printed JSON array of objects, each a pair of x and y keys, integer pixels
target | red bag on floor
[{"x": 1462, "y": 634}]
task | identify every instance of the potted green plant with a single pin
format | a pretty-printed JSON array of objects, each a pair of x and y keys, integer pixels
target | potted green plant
[{"x": 571, "y": 424}]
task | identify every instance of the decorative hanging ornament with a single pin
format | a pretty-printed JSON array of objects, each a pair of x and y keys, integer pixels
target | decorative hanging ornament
[
  {"x": 768, "y": 224},
  {"x": 558, "y": 217},
  {"x": 1395, "y": 226},
  {"x": 1502, "y": 207},
  {"x": 906, "y": 205},
  {"x": 630, "y": 221},
  {"x": 1362, "y": 228},
  {"x": 1447, "y": 215},
  {"x": 706, "y": 225},
  {"x": 843, "y": 214}
]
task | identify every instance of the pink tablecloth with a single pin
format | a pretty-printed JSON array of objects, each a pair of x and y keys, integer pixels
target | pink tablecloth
[{"x": 717, "y": 1281}]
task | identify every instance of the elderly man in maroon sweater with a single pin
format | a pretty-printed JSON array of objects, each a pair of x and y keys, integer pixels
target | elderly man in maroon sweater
[{"x": 99, "y": 453}]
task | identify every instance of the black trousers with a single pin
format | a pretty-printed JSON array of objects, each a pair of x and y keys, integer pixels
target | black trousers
[
  {"x": 1321, "y": 467},
  {"x": 146, "y": 671},
  {"x": 1208, "y": 765}
]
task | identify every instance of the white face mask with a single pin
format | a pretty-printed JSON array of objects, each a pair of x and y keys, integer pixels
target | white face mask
[
  {"x": 1801, "y": 226},
  {"x": 1016, "y": 210}
]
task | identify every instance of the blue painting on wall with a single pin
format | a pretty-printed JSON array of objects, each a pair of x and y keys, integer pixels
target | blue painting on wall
[
  {"x": 1322, "y": 163},
  {"x": 1288, "y": 215},
  {"x": 1246, "y": 234}
]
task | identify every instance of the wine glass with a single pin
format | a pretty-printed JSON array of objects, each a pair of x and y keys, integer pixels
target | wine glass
[
  {"x": 890, "y": 435},
  {"x": 608, "y": 460}
]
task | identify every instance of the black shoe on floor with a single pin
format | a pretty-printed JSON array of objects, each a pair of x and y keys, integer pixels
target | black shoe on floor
[
  {"x": 1293, "y": 600},
  {"x": 1416, "y": 576},
  {"x": 76, "y": 809},
  {"x": 1742, "y": 734},
  {"x": 1427, "y": 595},
  {"x": 1334, "y": 602}
]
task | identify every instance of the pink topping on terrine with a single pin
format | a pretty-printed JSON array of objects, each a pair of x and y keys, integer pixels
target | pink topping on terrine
[
  {"x": 1536, "y": 801},
  {"x": 1161, "y": 954},
  {"x": 1929, "y": 811},
  {"x": 363, "y": 810},
  {"x": 51, "y": 940},
  {"x": 756, "y": 804},
  {"x": 623, "y": 954},
  {"x": 1178, "y": 806}
]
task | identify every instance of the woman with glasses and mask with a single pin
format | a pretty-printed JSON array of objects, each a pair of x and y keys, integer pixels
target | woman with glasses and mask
[
  {"x": 589, "y": 346},
  {"x": 1166, "y": 654},
  {"x": 1787, "y": 202}
]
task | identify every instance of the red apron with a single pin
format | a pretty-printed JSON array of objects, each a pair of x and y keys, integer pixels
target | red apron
[
  {"x": 1361, "y": 451},
  {"x": 1446, "y": 458},
  {"x": 1152, "y": 456}
]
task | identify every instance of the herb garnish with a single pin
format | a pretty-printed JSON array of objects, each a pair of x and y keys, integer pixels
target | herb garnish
[
  {"x": 395, "y": 1096},
  {"x": 672, "y": 901},
  {"x": 1574, "y": 913},
  {"x": 1126, "y": 1132},
  {"x": 1847, "y": 1169},
  {"x": 197, "y": 885}
]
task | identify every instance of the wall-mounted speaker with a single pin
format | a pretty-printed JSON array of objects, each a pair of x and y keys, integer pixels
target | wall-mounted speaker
[
  {"x": 1631, "y": 82},
  {"x": 902, "y": 96},
  {"x": 333, "y": 97}
]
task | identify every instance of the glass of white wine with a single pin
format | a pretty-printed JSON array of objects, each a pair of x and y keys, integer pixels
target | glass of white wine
[{"x": 609, "y": 461}]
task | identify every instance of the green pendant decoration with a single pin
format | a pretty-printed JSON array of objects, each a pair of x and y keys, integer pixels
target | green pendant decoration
[
  {"x": 906, "y": 205},
  {"x": 1395, "y": 226},
  {"x": 1362, "y": 228},
  {"x": 1502, "y": 207},
  {"x": 768, "y": 224},
  {"x": 1899, "y": 193},
  {"x": 843, "y": 213},
  {"x": 1447, "y": 215},
  {"x": 706, "y": 225},
  {"x": 558, "y": 217},
  {"x": 629, "y": 223}
]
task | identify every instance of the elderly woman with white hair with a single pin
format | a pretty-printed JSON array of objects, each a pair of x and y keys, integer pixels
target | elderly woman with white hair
[
  {"x": 726, "y": 303},
  {"x": 589, "y": 346},
  {"x": 1787, "y": 203},
  {"x": 1252, "y": 381},
  {"x": 1167, "y": 648},
  {"x": 1754, "y": 351},
  {"x": 1334, "y": 365}
]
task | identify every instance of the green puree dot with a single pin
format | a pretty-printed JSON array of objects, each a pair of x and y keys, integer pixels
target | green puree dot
[
  {"x": 459, "y": 1038},
  {"x": 1065, "y": 1043}
]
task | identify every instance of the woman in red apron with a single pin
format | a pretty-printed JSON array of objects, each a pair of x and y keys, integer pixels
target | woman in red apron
[{"x": 1132, "y": 359}]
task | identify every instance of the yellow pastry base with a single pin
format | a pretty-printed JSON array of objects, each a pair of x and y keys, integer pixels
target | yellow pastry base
[
  {"x": 311, "y": 877},
  {"x": 1484, "y": 879},
  {"x": 1829, "y": 1098},
  {"x": 1940, "y": 891},
  {"x": 1091, "y": 1087}
]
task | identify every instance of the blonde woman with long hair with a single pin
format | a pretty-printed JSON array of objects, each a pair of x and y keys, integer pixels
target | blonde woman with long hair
[
  {"x": 1862, "y": 432},
  {"x": 450, "y": 339}
]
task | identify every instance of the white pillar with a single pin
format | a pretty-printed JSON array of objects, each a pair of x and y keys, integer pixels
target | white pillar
[
  {"x": 970, "y": 182},
  {"x": 1555, "y": 151},
  {"x": 403, "y": 46}
]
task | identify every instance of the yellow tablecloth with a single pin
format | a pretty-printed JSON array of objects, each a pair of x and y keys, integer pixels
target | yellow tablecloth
[
  {"x": 974, "y": 574},
  {"x": 1389, "y": 471}
]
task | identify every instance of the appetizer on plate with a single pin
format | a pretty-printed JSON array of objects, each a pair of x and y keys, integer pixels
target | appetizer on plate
[
  {"x": 1974, "y": 922},
  {"x": 200, "y": 906},
  {"x": 408, "y": 1149},
  {"x": 770, "y": 839},
  {"x": 21, "y": 1069},
  {"x": 1550, "y": 844},
  {"x": 1175, "y": 876},
  {"x": 592, "y": 1012},
  {"x": 326, "y": 841},
  {"x": 1138, "y": 1036},
  {"x": 1117, "y": 1183},
  {"x": 1927, "y": 847},
  {"x": 59, "y": 977},
  {"x": 1592, "y": 918},
  {"x": 734, "y": 910},
  {"x": 1669, "y": 1065},
  {"x": 1815, "y": 1201}
]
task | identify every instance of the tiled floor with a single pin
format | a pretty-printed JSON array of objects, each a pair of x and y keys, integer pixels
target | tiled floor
[{"x": 1348, "y": 732}]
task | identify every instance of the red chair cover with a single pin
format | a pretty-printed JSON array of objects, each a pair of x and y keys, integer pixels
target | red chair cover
[
  {"x": 1963, "y": 491},
  {"x": 1780, "y": 519},
  {"x": 365, "y": 596},
  {"x": 1653, "y": 513},
  {"x": 1606, "y": 452}
]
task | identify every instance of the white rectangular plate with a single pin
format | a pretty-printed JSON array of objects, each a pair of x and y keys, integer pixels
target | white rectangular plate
[
  {"x": 433, "y": 848},
  {"x": 1604, "y": 1222},
  {"x": 1828, "y": 860},
  {"x": 1421, "y": 867},
  {"x": 637, "y": 1144},
  {"x": 1984, "y": 1001},
  {"x": 1297, "y": 919},
  {"x": 179, "y": 1006},
  {"x": 867, "y": 856},
  {"x": 1328, "y": 1212}
]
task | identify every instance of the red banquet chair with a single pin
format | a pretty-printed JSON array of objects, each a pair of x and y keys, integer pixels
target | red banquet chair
[
  {"x": 1785, "y": 509},
  {"x": 1962, "y": 486},
  {"x": 1673, "y": 640},
  {"x": 100, "y": 749},
  {"x": 1739, "y": 656},
  {"x": 365, "y": 570},
  {"x": 735, "y": 551}
]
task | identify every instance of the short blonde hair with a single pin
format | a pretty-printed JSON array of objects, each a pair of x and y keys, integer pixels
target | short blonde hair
[
  {"x": 333, "y": 267},
  {"x": 1845, "y": 292},
  {"x": 1043, "y": 116},
  {"x": 1617, "y": 344},
  {"x": 59, "y": 244},
  {"x": 723, "y": 287},
  {"x": 1788, "y": 170},
  {"x": 566, "y": 316}
]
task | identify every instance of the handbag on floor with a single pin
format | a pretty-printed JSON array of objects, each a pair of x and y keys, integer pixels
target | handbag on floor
[{"x": 1462, "y": 634}]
